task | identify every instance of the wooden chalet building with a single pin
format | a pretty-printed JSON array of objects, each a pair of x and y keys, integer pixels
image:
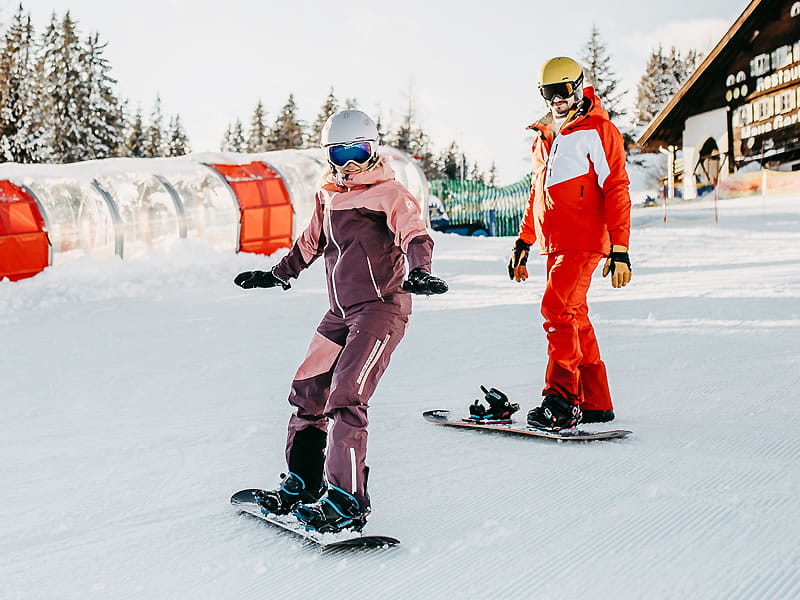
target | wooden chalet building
[{"x": 741, "y": 107}]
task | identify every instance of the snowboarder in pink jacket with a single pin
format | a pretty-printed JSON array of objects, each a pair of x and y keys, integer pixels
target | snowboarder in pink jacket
[{"x": 366, "y": 225}]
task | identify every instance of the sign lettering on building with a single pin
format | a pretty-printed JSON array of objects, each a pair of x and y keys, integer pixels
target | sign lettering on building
[{"x": 765, "y": 107}]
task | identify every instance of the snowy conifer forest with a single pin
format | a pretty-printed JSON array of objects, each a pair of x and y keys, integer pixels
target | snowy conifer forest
[{"x": 59, "y": 103}]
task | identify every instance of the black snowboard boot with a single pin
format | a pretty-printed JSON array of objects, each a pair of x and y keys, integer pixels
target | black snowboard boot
[
  {"x": 555, "y": 413},
  {"x": 597, "y": 416},
  {"x": 499, "y": 408},
  {"x": 291, "y": 491},
  {"x": 335, "y": 511}
]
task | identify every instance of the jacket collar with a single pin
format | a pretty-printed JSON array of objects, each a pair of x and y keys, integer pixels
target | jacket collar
[
  {"x": 378, "y": 174},
  {"x": 591, "y": 107}
]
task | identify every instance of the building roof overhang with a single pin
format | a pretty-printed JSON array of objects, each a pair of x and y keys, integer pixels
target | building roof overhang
[{"x": 699, "y": 93}]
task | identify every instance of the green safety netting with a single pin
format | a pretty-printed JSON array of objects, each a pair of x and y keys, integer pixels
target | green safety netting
[{"x": 476, "y": 205}]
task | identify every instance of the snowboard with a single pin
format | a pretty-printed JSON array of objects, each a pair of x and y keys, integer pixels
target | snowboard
[
  {"x": 245, "y": 501},
  {"x": 443, "y": 417}
]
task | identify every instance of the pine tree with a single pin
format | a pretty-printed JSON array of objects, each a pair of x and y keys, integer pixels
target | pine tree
[
  {"x": 451, "y": 162},
  {"x": 678, "y": 68},
  {"x": 492, "y": 177},
  {"x": 233, "y": 140},
  {"x": 330, "y": 106},
  {"x": 177, "y": 139},
  {"x": 257, "y": 136},
  {"x": 135, "y": 140},
  {"x": 287, "y": 132},
  {"x": 411, "y": 138},
  {"x": 402, "y": 136},
  {"x": 663, "y": 77},
  {"x": 155, "y": 136},
  {"x": 381, "y": 131},
  {"x": 104, "y": 113},
  {"x": 691, "y": 62},
  {"x": 226, "y": 139},
  {"x": 422, "y": 151},
  {"x": 66, "y": 95},
  {"x": 21, "y": 123},
  {"x": 645, "y": 108},
  {"x": 598, "y": 73},
  {"x": 476, "y": 174}
]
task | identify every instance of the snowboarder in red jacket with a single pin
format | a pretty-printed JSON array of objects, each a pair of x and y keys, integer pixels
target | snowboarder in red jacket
[{"x": 579, "y": 212}]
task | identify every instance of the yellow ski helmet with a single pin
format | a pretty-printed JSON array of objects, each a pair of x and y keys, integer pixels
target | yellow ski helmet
[{"x": 560, "y": 76}]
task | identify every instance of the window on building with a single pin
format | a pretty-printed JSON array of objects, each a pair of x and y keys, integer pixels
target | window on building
[
  {"x": 764, "y": 109},
  {"x": 782, "y": 57},
  {"x": 785, "y": 102},
  {"x": 743, "y": 115},
  {"x": 795, "y": 9},
  {"x": 759, "y": 65}
]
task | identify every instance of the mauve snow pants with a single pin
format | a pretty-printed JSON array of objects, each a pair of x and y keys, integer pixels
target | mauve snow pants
[
  {"x": 574, "y": 368},
  {"x": 341, "y": 370}
]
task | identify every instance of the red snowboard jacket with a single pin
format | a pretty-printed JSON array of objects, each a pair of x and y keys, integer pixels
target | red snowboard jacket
[{"x": 579, "y": 185}]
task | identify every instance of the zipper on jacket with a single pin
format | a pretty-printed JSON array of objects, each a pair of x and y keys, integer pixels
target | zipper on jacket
[
  {"x": 372, "y": 276},
  {"x": 339, "y": 249},
  {"x": 548, "y": 168}
]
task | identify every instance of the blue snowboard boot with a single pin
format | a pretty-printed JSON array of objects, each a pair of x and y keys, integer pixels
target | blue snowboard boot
[
  {"x": 292, "y": 490},
  {"x": 335, "y": 511}
]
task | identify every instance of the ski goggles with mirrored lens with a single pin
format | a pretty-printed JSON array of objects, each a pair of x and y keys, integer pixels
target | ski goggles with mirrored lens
[
  {"x": 564, "y": 89},
  {"x": 357, "y": 152}
]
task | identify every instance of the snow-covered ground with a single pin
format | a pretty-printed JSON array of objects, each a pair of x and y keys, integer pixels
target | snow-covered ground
[{"x": 136, "y": 397}]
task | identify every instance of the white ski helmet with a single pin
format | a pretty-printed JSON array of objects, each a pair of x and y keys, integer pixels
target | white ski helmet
[{"x": 349, "y": 127}]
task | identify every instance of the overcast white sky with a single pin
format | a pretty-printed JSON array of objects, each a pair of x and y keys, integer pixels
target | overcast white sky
[{"x": 470, "y": 66}]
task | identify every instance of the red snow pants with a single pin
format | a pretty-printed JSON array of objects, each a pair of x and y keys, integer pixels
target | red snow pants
[{"x": 574, "y": 368}]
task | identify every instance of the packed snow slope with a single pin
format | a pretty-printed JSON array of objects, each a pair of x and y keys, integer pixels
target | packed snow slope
[{"x": 136, "y": 397}]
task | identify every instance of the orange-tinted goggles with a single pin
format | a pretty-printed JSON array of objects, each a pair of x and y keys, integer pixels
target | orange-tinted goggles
[{"x": 551, "y": 90}]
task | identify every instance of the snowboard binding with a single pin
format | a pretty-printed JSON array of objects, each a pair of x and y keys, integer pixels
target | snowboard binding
[{"x": 498, "y": 411}]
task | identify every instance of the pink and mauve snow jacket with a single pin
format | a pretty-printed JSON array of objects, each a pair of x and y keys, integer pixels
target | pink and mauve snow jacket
[{"x": 365, "y": 225}]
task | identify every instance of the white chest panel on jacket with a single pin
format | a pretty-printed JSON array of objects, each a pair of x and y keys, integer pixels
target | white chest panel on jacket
[{"x": 572, "y": 156}]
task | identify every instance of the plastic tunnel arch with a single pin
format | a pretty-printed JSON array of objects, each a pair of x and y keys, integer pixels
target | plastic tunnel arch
[
  {"x": 264, "y": 203},
  {"x": 122, "y": 207},
  {"x": 24, "y": 246}
]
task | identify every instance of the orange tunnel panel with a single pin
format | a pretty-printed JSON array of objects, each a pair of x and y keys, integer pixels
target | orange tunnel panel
[
  {"x": 266, "y": 209},
  {"x": 24, "y": 247}
]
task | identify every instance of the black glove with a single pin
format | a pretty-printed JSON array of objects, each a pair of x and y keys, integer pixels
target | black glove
[
  {"x": 262, "y": 279},
  {"x": 519, "y": 258},
  {"x": 420, "y": 282}
]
